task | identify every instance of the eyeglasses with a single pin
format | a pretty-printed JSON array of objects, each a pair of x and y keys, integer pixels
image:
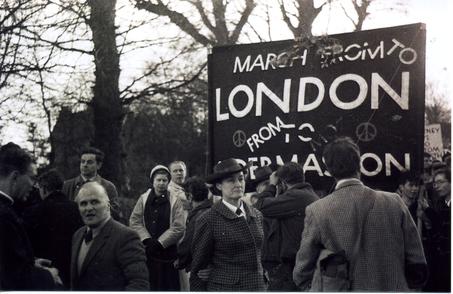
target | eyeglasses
[{"x": 439, "y": 182}]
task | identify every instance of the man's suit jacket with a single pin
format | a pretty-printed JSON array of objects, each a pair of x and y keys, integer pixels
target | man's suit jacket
[
  {"x": 116, "y": 261},
  {"x": 231, "y": 245},
  {"x": 72, "y": 186},
  {"x": 390, "y": 245},
  {"x": 17, "y": 269}
]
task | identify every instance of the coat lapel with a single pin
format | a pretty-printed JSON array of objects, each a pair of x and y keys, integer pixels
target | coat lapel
[
  {"x": 223, "y": 210},
  {"x": 98, "y": 242},
  {"x": 75, "y": 254}
]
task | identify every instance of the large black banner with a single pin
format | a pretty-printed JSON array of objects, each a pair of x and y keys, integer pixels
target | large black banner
[{"x": 279, "y": 101}]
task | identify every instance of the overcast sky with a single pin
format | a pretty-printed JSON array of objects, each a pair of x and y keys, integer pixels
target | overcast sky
[{"x": 437, "y": 14}]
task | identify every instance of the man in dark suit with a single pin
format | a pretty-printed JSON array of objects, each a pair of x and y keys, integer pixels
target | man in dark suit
[
  {"x": 287, "y": 211},
  {"x": 372, "y": 230},
  {"x": 106, "y": 255},
  {"x": 51, "y": 223},
  {"x": 19, "y": 270},
  {"x": 91, "y": 160}
]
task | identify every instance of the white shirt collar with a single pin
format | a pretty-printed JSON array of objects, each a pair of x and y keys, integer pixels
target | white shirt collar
[
  {"x": 342, "y": 181},
  {"x": 86, "y": 180},
  {"x": 7, "y": 196},
  {"x": 234, "y": 208}
]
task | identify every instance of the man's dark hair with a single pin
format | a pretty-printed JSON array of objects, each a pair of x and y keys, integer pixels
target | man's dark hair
[
  {"x": 91, "y": 150},
  {"x": 342, "y": 158},
  {"x": 197, "y": 187},
  {"x": 443, "y": 171},
  {"x": 13, "y": 158},
  {"x": 51, "y": 180},
  {"x": 291, "y": 172},
  {"x": 408, "y": 176}
]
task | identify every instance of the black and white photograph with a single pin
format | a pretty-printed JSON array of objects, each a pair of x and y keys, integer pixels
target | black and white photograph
[{"x": 225, "y": 145}]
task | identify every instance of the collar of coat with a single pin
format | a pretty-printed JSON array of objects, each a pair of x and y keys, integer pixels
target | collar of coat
[
  {"x": 81, "y": 181},
  {"x": 226, "y": 212},
  {"x": 206, "y": 204},
  {"x": 348, "y": 183}
]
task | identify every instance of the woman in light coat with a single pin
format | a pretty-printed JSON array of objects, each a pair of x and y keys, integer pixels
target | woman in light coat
[{"x": 158, "y": 218}]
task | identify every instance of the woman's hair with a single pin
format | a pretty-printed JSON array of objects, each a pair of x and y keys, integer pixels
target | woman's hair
[
  {"x": 342, "y": 158},
  {"x": 197, "y": 187}
]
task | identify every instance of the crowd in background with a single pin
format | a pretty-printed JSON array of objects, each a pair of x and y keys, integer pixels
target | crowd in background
[{"x": 225, "y": 232}]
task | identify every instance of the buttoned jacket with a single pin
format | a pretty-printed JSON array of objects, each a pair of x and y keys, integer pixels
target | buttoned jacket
[
  {"x": 115, "y": 261},
  {"x": 390, "y": 243},
  {"x": 231, "y": 245},
  {"x": 177, "y": 220}
]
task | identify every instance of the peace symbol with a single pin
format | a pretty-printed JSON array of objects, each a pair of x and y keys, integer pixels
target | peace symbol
[
  {"x": 366, "y": 132},
  {"x": 239, "y": 138}
]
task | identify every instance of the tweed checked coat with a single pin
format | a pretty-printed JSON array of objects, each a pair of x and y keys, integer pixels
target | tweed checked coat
[
  {"x": 390, "y": 241},
  {"x": 116, "y": 261},
  {"x": 231, "y": 246}
]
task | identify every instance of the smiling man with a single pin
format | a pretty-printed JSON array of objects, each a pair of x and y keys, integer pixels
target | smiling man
[{"x": 106, "y": 255}]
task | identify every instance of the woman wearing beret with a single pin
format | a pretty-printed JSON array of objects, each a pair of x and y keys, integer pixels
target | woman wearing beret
[
  {"x": 228, "y": 237},
  {"x": 158, "y": 218}
]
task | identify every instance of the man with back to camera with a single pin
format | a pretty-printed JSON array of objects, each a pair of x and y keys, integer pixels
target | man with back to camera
[
  {"x": 51, "y": 223},
  {"x": 373, "y": 228},
  {"x": 106, "y": 255},
  {"x": 19, "y": 270},
  {"x": 287, "y": 210},
  {"x": 91, "y": 160}
]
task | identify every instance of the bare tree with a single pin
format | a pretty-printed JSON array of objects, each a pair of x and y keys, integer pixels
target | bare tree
[
  {"x": 14, "y": 16},
  {"x": 361, "y": 10},
  {"x": 215, "y": 20},
  {"x": 300, "y": 22}
]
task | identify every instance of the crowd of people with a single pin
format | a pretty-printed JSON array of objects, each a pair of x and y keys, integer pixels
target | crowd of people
[{"x": 225, "y": 232}]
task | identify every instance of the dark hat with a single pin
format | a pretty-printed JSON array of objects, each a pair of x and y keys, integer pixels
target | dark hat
[
  {"x": 262, "y": 173},
  {"x": 224, "y": 169}
]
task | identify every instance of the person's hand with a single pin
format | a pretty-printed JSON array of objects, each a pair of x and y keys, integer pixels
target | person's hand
[
  {"x": 152, "y": 245},
  {"x": 42, "y": 262},
  {"x": 423, "y": 203},
  {"x": 55, "y": 275},
  {"x": 273, "y": 179},
  {"x": 204, "y": 273}
]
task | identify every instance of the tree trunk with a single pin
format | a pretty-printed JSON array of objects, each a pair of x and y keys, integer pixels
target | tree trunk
[{"x": 106, "y": 103}]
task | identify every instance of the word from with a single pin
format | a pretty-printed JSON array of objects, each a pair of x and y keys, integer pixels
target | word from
[
  {"x": 267, "y": 62},
  {"x": 271, "y": 130},
  {"x": 256, "y": 98}
]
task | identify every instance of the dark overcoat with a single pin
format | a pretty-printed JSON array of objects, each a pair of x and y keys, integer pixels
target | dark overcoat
[
  {"x": 17, "y": 269},
  {"x": 288, "y": 210},
  {"x": 50, "y": 225},
  {"x": 116, "y": 261},
  {"x": 231, "y": 246}
]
